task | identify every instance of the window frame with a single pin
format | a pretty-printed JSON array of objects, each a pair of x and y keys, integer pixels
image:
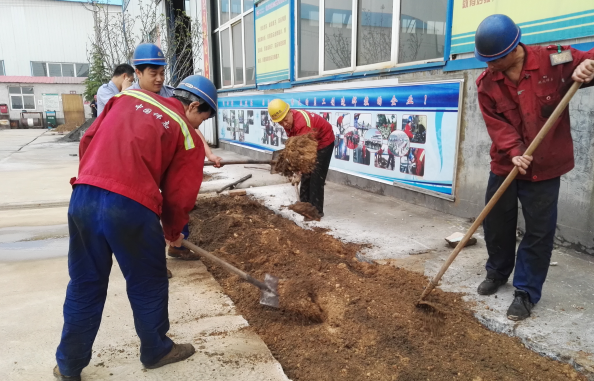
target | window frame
[
  {"x": 395, "y": 46},
  {"x": 229, "y": 26},
  {"x": 2, "y": 68},
  {"x": 47, "y": 63},
  {"x": 10, "y": 95}
]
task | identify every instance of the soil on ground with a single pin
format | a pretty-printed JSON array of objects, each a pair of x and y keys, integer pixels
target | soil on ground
[
  {"x": 67, "y": 127},
  {"x": 306, "y": 209},
  {"x": 300, "y": 155},
  {"x": 341, "y": 319}
]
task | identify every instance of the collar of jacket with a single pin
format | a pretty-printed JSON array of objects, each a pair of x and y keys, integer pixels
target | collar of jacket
[{"x": 530, "y": 63}]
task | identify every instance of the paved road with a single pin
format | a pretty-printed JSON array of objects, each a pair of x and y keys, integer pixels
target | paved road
[{"x": 34, "y": 174}]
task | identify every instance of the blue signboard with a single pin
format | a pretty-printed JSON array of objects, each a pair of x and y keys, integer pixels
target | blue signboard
[{"x": 400, "y": 134}]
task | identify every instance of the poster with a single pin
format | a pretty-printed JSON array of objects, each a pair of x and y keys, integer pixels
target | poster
[
  {"x": 51, "y": 102},
  {"x": 541, "y": 21},
  {"x": 273, "y": 41},
  {"x": 399, "y": 134}
]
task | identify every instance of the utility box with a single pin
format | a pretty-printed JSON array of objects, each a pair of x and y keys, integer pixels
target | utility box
[
  {"x": 31, "y": 119},
  {"x": 4, "y": 117},
  {"x": 50, "y": 119}
]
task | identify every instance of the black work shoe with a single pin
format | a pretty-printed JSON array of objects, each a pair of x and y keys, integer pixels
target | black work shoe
[
  {"x": 61, "y": 377},
  {"x": 490, "y": 286},
  {"x": 520, "y": 307},
  {"x": 179, "y": 352}
]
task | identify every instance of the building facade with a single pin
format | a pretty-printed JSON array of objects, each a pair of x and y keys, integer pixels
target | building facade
[
  {"x": 43, "y": 50},
  {"x": 396, "y": 79}
]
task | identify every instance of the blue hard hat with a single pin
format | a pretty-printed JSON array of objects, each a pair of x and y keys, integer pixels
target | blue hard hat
[
  {"x": 148, "y": 54},
  {"x": 201, "y": 87},
  {"x": 495, "y": 37}
]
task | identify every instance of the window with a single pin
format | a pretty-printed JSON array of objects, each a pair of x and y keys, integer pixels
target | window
[
  {"x": 21, "y": 98},
  {"x": 363, "y": 33},
  {"x": 234, "y": 39},
  {"x": 308, "y": 37},
  {"x": 338, "y": 31},
  {"x": 2, "y": 72},
  {"x": 58, "y": 69}
]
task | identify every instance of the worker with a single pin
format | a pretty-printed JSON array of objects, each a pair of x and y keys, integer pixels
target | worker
[
  {"x": 517, "y": 93},
  {"x": 122, "y": 79},
  {"x": 300, "y": 122},
  {"x": 408, "y": 128},
  {"x": 149, "y": 62},
  {"x": 132, "y": 211}
]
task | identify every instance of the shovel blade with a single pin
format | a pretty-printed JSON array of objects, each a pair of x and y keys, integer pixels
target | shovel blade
[{"x": 270, "y": 297}]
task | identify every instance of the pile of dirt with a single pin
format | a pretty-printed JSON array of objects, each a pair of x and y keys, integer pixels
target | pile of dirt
[
  {"x": 306, "y": 209},
  {"x": 299, "y": 155},
  {"x": 67, "y": 127},
  {"x": 341, "y": 319}
]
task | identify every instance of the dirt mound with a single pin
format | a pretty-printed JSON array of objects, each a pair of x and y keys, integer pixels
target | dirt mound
[
  {"x": 341, "y": 319},
  {"x": 306, "y": 210},
  {"x": 300, "y": 155},
  {"x": 67, "y": 127}
]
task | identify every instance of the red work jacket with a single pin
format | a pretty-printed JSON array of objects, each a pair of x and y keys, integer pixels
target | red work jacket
[
  {"x": 143, "y": 147},
  {"x": 514, "y": 114},
  {"x": 321, "y": 129}
]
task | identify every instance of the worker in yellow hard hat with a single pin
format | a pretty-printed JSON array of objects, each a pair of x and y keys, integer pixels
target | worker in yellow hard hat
[{"x": 300, "y": 122}]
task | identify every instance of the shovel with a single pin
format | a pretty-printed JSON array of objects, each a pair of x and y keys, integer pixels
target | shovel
[
  {"x": 269, "y": 289},
  {"x": 275, "y": 157},
  {"x": 512, "y": 175}
]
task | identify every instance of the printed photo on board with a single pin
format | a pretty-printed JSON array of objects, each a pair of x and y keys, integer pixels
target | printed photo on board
[
  {"x": 240, "y": 116},
  {"x": 415, "y": 127},
  {"x": 382, "y": 157},
  {"x": 232, "y": 123},
  {"x": 352, "y": 137},
  {"x": 414, "y": 162},
  {"x": 264, "y": 119},
  {"x": 326, "y": 115},
  {"x": 373, "y": 139},
  {"x": 341, "y": 151},
  {"x": 362, "y": 155},
  {"x": 343, "y": 121},
  {"x": 399, "y": 143},
  {"x": 386, "y": 123},
  {"x": 250, "y": 117}
]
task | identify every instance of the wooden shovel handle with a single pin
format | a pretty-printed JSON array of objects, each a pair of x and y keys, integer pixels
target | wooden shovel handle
[
  {"x": 232, "y": 269},
  {"x": 535, "y": 143},
  {"x": 238, "y": 162}
]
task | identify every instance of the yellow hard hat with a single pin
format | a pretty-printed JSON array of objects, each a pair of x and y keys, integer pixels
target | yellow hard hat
[{"x": 278, "y": 109}]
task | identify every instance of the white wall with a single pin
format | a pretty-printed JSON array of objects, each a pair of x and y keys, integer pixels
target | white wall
[
  {"x": 43, "y": 30},
  {"x": 39, "y": 89}
]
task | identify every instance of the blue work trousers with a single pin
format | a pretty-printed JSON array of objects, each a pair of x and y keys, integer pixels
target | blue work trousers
[
  {"x": 101, "y": 223},
  {"x": 539, "y": 207}
]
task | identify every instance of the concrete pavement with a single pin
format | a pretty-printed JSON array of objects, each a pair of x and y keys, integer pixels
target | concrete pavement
[{"x": 34, "y": 174}]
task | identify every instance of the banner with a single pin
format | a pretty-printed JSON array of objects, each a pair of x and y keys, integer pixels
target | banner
[
  {"x": 541, "y": 21},
  {"x": 405, "y": 135},
  {"x": 273, "y": 41}
]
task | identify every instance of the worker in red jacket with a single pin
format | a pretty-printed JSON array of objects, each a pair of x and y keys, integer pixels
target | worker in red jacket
[
  {"x": 517, "y": 94},
  {"x": 131, "y": 202},
  {"x": 300, "y": 122}
]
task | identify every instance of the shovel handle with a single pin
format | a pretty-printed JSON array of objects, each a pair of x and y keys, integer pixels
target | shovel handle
[
  {"x": 502, "y": 188},
  {"x": 211, "y": 163},
  {"x": 232, "y": 269}
]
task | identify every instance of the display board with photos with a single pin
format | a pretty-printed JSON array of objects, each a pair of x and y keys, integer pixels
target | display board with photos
[{"x": 400, "y": 134}]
